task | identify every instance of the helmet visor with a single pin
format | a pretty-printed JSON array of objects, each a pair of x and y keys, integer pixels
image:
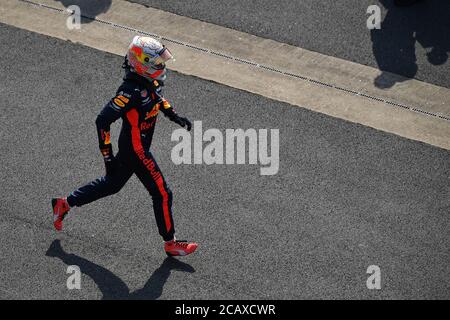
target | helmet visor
[{"x": 163, "y": 57}]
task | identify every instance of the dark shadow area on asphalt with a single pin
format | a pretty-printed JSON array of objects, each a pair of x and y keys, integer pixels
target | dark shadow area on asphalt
[
  {"x": 89, "y": 9},
  {"x": 426, "y": 23},
  {"x": 111, "y": 286}
]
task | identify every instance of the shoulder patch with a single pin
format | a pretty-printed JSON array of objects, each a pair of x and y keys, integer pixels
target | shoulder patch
[
  {"x": 118, "y": 102},
  {"x": 127, "y": 94},
  {"x": 123, "y": 99},
  {"x": 124, "y": 94}
]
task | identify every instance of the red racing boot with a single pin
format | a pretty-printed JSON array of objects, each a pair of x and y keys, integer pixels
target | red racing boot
[
  {"x": 60, "y": 210},
  {"x": 179, "y": 247}
]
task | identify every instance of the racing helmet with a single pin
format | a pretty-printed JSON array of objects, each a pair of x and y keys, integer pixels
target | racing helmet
[{"x": 147, "y": 57}]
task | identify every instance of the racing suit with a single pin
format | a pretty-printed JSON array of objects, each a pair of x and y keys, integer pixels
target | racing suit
[{"x": 137, "y": 102}]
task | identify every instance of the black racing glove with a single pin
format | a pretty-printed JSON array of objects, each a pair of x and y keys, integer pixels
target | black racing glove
[
  {"x": 110, "y": 165},
  {"x": 109, "y": 160},
  {"x": 182, "y": 121}
]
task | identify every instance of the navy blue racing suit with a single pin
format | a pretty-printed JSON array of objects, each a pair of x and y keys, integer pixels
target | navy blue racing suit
[{"x": 137, "y": 102}]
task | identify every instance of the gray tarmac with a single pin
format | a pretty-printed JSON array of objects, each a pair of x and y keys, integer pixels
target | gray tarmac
[
  {"x": 412, "y": 41},
  {"x": 345, "y": 197}
]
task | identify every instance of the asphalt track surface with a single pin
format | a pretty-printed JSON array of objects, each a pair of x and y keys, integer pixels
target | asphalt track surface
[
  {"x": 346, "y": 196},
  {"x": 338, "y": 28}
]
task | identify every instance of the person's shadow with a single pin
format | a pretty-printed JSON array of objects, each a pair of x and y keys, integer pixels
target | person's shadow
[
  {"x": 89, "y": 9},
  {"x": 111, "y": 286},
  {"x": 426, "y": 23}
]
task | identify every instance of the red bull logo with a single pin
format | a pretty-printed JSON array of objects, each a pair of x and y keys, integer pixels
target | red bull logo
[{"x": 152, "y": 113}]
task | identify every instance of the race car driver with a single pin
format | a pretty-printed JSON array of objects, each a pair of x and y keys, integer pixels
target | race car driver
[{"x": 138, "y": 102}]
